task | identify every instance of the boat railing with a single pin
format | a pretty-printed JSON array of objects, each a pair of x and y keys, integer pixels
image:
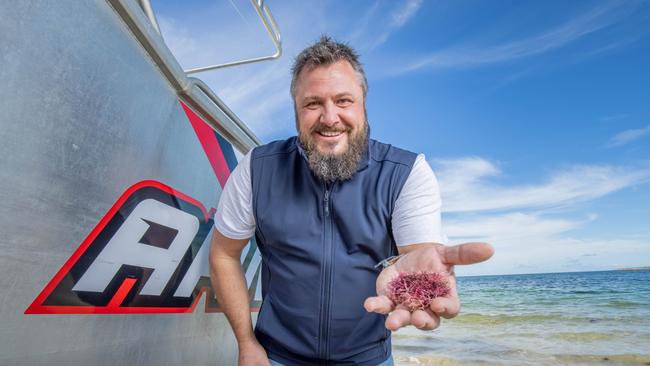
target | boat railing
[{"x": 140, "y": 18}]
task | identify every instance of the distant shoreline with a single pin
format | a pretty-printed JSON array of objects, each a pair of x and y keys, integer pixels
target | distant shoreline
[{"x": 644, "y": 268}]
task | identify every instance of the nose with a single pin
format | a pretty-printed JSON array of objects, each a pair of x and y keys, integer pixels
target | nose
[{"x": 329, "y": 115}]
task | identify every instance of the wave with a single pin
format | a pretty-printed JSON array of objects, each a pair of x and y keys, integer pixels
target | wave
[
  {"x": 426, "y": 360},
  {"x": 500, "y": 319},
  {"x": 622, "y": 304},
  {"x": 405, "y": 348},
  {"x": 484, "y": 319},
  {"x": 624, "y": 359},
  {"x": 586, "y": 336},
  {"x": 526, "y": 358}
]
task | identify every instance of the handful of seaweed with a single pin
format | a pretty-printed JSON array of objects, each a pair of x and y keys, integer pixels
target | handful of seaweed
[{"x": 416, "y": 290}]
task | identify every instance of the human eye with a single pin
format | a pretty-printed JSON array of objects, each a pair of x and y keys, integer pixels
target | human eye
[
  {"x": 344, "y": 102},
  {"x": 311, "y": 104}
]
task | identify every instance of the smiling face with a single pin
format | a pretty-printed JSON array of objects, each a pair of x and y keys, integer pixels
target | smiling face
[
  {"x": 331, "y": 119},
  {"x": 330, "y": 107}
]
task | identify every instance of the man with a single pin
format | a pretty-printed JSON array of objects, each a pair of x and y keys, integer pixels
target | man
[{"x": 325, "y": 208}]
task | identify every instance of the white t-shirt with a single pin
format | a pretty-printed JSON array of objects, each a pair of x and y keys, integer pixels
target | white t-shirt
[{"x": 416, "y": 216}]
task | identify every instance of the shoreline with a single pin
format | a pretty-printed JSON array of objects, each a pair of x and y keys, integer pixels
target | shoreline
[{"x": 645, "y": 268}]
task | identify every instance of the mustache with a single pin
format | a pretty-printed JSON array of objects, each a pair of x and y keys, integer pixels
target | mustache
[{"x": 321, "y": 127}]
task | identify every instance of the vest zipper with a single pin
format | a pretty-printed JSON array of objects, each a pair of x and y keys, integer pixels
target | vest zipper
[
  {"x": 326, "y": 202},
  {"x": 327, "y": 270}
]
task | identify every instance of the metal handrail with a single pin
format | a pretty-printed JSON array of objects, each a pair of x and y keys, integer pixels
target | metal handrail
[
  {"x": 192, "y": 91},
  {"x": 262, "y": 11},
  {"x": 205, "y": 89},
  {"x": 271, "y": 28},
  {"x": 148, "y": 10}
]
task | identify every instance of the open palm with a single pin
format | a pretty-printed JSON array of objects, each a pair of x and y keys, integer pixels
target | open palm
[{"x": 426, "y": 258}]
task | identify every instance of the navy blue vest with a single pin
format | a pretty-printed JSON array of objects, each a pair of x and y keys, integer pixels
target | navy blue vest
[{"x": 319, "y": 245}]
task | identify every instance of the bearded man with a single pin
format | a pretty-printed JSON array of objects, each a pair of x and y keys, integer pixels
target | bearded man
[{"x": 325, "y": 208}]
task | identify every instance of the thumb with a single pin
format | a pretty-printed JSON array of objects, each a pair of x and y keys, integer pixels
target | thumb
[
  {"x": 378, "y": 304},
  {"x": 467, "y": 253}
]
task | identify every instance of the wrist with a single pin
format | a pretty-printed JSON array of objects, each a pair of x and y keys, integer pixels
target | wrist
[{"x": 247, "y": 342}]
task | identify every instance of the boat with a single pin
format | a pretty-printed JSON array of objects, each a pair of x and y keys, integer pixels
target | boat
[{"x": 113, "y": 160}]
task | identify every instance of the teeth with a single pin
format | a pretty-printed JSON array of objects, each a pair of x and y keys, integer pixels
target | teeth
[{"x": 330, "y": 133}]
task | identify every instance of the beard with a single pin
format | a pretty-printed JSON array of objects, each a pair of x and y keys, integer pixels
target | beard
[{"x": 335, "y": 167}]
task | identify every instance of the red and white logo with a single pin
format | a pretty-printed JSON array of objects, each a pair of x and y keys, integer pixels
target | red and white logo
[{"x": 149, "y": 253}]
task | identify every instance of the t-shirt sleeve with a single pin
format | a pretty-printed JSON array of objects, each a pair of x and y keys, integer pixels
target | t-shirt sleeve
[
  {"x": 416, "y": 216},
  {"x": 234, "y": 217}
]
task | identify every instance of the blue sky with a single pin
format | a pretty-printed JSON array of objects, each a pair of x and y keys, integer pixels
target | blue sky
[{"x": 534, "y": 115}]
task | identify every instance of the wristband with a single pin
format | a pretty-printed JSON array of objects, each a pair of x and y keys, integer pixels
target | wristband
[{"x": 388, "y": 261}]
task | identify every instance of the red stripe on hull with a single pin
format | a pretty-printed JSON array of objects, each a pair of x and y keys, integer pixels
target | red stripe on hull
[{"x": 210, "y": 145}]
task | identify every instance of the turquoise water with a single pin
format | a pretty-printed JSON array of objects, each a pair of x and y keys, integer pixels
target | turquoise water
[{"x": 585, "y": 318}]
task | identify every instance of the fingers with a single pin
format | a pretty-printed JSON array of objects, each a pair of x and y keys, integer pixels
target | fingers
[
  {"x": 428, "y": 319},
  {"x": 400, "y": 317},
  {"x": 467, "y": 253},
  {"x": 378, "y": 304},
  {"x": 446, "y": 307},
  {"x": 425, "y": 320},
  {"x": 421, "y": 319}
]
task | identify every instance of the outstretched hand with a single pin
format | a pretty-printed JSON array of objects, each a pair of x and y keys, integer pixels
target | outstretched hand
[{"x": 426, "y": 258}]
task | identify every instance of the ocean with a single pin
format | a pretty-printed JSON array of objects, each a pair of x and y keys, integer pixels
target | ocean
[{"x": 580, "y": 318}]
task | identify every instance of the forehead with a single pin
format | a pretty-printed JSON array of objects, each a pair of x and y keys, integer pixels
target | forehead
[{"x": 337, "y": 78}]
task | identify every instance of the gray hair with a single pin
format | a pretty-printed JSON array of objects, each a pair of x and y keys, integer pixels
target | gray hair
[{"x": 324, "y": 53}]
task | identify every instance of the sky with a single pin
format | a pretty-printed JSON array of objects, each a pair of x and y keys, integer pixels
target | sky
[{"x": 535, "y": 116}]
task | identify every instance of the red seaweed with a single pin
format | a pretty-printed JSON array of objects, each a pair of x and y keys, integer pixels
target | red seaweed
[{"x": 416, "y": 290}]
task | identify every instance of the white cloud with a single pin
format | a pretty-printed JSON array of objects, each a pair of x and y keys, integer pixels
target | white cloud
[
  {"x": 398, "y": 19},
  {"x": 473, "y": 55},
  {"x": 373, "y": 29},
  {"x": 627, "y": 136},
  {"x": 537, "y": 254},
  {"x": 514, "y": 225},
  {"x": 403, "y": 15},
  {"x": 512, "y": 217},
  {"x": 359, "y": 33},
  {"x": 466, "y": 185}
]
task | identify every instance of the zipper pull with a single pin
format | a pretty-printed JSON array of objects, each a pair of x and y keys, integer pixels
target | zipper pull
[{"x": 327, "y": 202}]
